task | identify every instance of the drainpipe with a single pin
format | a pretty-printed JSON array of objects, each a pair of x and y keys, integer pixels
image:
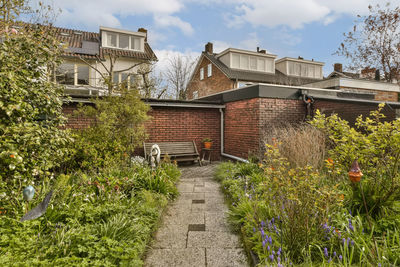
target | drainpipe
[{"x": 222, "y": 141}]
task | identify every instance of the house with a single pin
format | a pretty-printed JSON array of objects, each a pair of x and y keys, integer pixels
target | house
[
  {"x": 89, "y": 57},
  {"x": 235, "y": 68},
  {"x": 367, "y": 84}
]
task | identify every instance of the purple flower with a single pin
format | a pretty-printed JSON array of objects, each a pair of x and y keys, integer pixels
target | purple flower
[
  {"x": 379, "y": 265},
  {"x": 340, "y": 257},
  {"x": 278, "y": 259},
  {"x": 330, "y": 259},
  {"x": 262, "y": 224},
  {"x": 334, "y": 254},
  {"x": 271, "y": 257},
  {"x": 344, "y": 241},
  {"x": 273, "y": 220},
  {"x": 352, "y": 242},
  {"x": 263, "y": 243},
  {"x": 326, "y": 252},
  {"x": 280, "y": 265},
  {"x": 278, "y": 253},
  {"x": 254, "y": 229},
  {"x": 262, "y": 233},
  {"x": 270, "y": 240},
  {"x": 268, "y": 248},
  {"x": 273, "y": 252}
]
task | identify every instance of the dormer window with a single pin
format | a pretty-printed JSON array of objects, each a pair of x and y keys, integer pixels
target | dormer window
[{"x": 120, "y": 39}]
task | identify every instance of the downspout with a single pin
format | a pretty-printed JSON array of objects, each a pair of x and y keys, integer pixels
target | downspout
[{"x": 222, "y": 141}]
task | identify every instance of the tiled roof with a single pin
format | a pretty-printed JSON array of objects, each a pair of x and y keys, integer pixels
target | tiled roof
[
  {"x": 259, "y": 77},
  {"x": 74, "y": 39}
]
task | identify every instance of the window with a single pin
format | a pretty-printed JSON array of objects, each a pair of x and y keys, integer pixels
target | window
[
  {"x": 244, "y": 62},
  {"x": 195, "y": 94},
  {"x": 123, "y": 41},
  {"x": 135, "y": 43},
  {"x": 260, "y": 64},
  {"x": 202, "y": 74},
  {"x": 235, "y": 61},
  {"x": 111, "y": 39},
  {"x": 253, "y": 63},
  {"x": 209, "y": 70},
  {"x": 125, "y": 78},
  {"x": 82, "y": 75},
  {"x": 65, "y": 74}
]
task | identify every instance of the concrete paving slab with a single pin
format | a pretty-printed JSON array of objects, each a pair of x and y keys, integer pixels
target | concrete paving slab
[
  {"x": 184, "y": 218},
  {"x": 217, "y": 221},
  {"x": 228, "y": 257},
  {"x": 191, "y": 196},
  {"x": 185, "y": 187},
  {"x": 187, "y": 257},
  {"x": 213, "y": 240},
  {"x": 171, "y": 236}
]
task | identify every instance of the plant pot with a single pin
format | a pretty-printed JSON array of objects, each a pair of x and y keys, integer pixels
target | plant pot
[
  {"x": 355, "y": 177},
  {"x": 207, "y": 145}
]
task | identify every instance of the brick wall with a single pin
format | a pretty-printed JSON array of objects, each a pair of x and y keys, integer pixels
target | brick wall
[
  {"x": 247, "y": 121},
  {"x": 217, "y": 82},
  {"x": 75, "y": 122},
  {"x": 170, "y": 124},
  {"x": 350, "y": 110},
  {"x": 241, "y": 127}
]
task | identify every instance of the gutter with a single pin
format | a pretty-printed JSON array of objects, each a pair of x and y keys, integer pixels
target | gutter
[
  {"x": 184, "y": 105},
  {"x": 222, "y": 141}
]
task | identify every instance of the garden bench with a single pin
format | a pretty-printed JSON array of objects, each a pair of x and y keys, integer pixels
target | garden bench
[{"x": 176, "y": 151}]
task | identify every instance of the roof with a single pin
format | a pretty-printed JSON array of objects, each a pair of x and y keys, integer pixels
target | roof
[
  {"x": 289, "y": 92},
  {"x": 83, "y": 43},
  {"x": 259, "y": 77}
]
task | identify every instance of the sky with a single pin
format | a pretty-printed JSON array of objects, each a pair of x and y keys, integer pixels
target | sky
[{"x": 312, "y": 29}]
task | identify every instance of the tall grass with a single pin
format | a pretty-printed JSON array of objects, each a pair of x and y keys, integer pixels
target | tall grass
[{"x": 301, "y": 144}]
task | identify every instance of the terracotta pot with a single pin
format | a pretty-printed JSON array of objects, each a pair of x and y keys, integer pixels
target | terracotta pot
[{"x": 207, "y": 145}]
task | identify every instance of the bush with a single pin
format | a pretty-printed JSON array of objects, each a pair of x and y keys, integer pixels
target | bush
[{"x": 32, "y": 142}]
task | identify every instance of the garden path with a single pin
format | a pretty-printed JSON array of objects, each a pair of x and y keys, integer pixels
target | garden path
[{"x": 194, "y": 230}]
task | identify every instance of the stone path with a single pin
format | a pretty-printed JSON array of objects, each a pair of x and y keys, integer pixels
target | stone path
[{"x": 195, "y": 231}]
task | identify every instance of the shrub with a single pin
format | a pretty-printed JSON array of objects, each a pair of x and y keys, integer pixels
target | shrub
[
  {"x": 32, "y": 142},
  {"x": 376, "y": 146}
]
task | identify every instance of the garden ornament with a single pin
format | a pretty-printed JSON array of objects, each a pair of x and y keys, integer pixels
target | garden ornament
[
  {"x": 309, "y": 101},
  {"x": 39, "y": 210},
  {"x": 155, "y": 154},
  {"x": 355, "y": 173},
  {"x": 28, "y": 193}
]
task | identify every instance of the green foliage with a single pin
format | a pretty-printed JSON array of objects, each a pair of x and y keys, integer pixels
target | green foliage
[
  {"x": 32, "y": 141},
  {"x": 99, "y": 219},
  {"x": 376, "y": 146},
  {"x": 117, "y": 129}
]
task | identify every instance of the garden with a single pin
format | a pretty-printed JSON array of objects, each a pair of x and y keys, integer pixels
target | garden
[
  {"x": 325, "y": 194},
  {"x": 94, "y": 204}
]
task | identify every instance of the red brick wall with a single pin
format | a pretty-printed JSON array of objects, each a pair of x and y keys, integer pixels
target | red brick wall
[
  {"x": 171, "y": 124},
  {"x": 75, "y": 122},
  {"x": 217, "y": 82},
  {"x": 241, "y": 127},
  {"x": 350, "y": 110}
]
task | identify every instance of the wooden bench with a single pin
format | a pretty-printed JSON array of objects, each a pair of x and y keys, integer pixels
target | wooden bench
[{"x": 178, "y": 151}]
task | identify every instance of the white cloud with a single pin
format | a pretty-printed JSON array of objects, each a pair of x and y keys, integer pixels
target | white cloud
[
  {"x": 92, "y": 13},
  {"x": 294, "y": 13},
  {"x": 167, "y": 21}
]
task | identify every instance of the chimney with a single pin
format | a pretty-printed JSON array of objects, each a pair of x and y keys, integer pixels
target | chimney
[
  {"x": 377, "y": 75},
  {"x": 209, "y": 48},
  {"x": 144, "y": 31},
  {"x": 258, "y": 49},
  {"x": 368, "y": 73},
  {"x": 338, "y": 67},
  {"x": 300, "y": 57}
]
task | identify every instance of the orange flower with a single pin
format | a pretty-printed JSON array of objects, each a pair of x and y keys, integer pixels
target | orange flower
[
  {"x": 341, "y": 197},
  {"x": 12, "y": 156},
  {"x": 330, "y": 160}
]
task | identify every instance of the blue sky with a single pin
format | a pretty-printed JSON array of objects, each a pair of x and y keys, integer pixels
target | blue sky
[{"x": 312, "y": 29}]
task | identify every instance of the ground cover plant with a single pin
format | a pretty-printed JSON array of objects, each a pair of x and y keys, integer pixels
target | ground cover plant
[
  {"x": 100, "y": 219},
  {"x": 313, "y": 214}
]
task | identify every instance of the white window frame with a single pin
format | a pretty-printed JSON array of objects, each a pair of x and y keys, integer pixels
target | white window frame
[
  {"x": 195, "y": 94},
  {"x": 130, "y": 41},
  {"x": 76, "y": 74},
  {"x": 209, "y": 70},
  {"x": 128, "y": 80},
  {"x": 201, "y": 74}
]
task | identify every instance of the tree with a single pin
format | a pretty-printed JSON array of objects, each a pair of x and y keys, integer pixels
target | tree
[
  {"x": 178, "y": 74},
  {"x": 32, "y": 141},
  {"x": 376, "y": 43}
]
